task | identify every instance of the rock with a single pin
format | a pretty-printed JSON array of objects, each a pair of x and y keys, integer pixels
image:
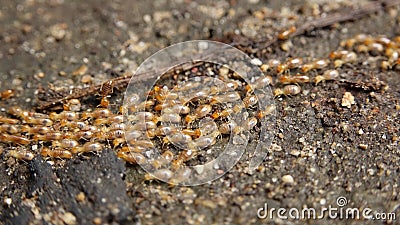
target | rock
[
  {"x": 68, "y": 218},
  {"x": 287, "y": 179},
  {"x": 61, "y": 187},
  {"x": 348, "y": 100}
]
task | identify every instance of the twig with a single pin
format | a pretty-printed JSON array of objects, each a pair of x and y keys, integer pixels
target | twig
[
  {"x": 323, "y": 22},
  {"x": 365, "y": 10},
  {"x": 118, "y": 83}
]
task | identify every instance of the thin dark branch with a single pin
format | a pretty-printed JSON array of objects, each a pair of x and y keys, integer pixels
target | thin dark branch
[
  {"x": 354, "y": 14},
  {"x": 119, "y": 83},
  {"x": 346, "y": 15}
]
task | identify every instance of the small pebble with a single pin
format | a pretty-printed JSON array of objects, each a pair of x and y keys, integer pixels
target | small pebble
[
  {"x": 147, "y": 18},
  {"x": 97, "y": 221},
  {"x": 199, "y": 169},
  {"x": 264, "y": 67},
  {"x": 275, "y": 148},
  {"x": 62, "y": 73},
  {"x": 80, "y": 197},
  {"x": 256, "y": 62},
  {"x": 363, "y": 146},
  {"x": 8, "y": 201},
  {"x": 106, "y": 65},
  {"x": 288, "y": 179},
  {"x": 40, "y": 75},
  {"x": 86, "y": 79},
  {"x": 16, "y": 82},
  {"x": 68, "y": 218},
  {"x": 295, "y": 152},
  {"x": 348, "y": 100},
  {"x": 223, "y": 71},
  {"x": 80, "y": 71},
  {"x": 371, "y": 172},
  {"x": 59, "y": 31},
  {"x": 287, "y": 45},
  {"x": 26, "y": 28}
]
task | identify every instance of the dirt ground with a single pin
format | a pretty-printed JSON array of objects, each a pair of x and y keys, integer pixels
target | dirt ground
[{"x": 318, "y": 142}]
